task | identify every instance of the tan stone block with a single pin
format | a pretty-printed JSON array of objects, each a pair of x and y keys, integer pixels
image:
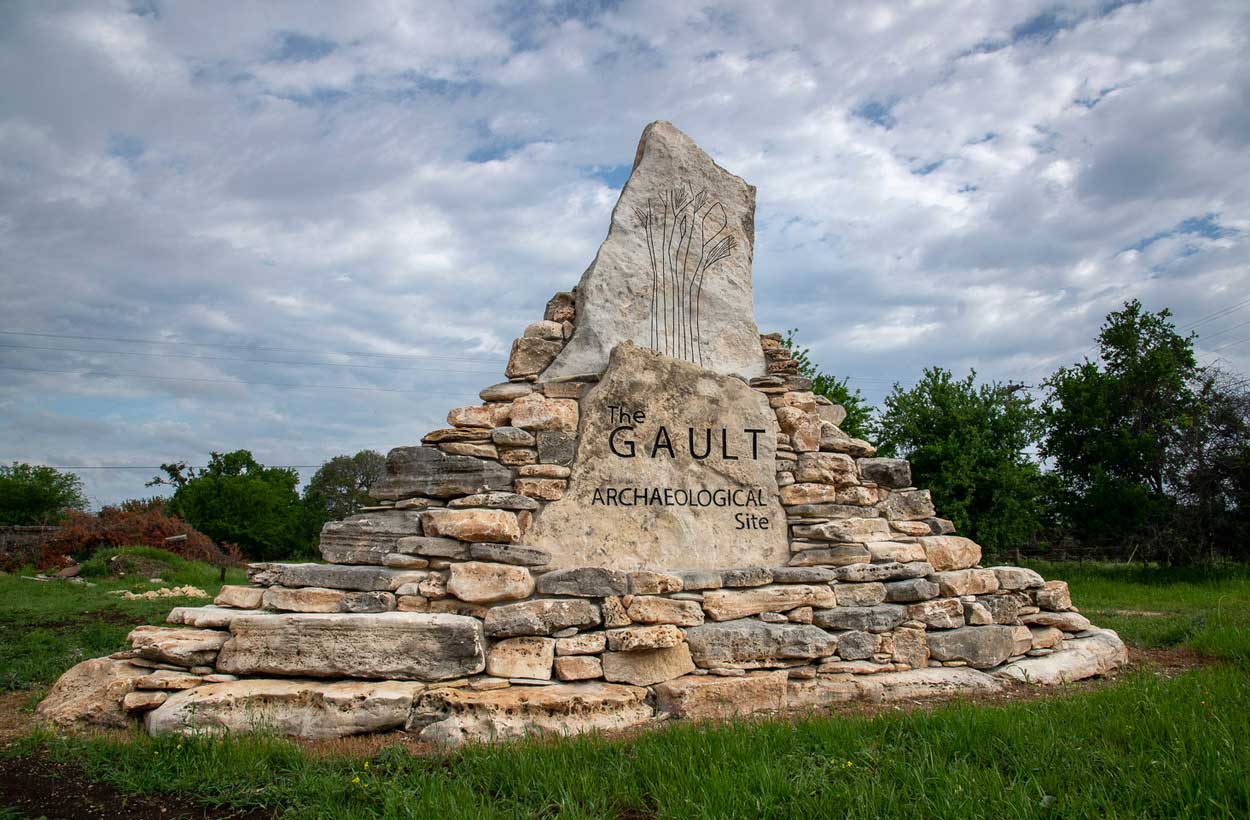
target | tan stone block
[
  {"x": 704, "y": 697},
  {"x": 528, "y": 657},
  {"x": 966, "y": 582},
  {"x": 547, "y": 489},
  {"x": 536, "y": 412},
  {"x": 480, "y": 582},
  {"x": 497, "y": 526},
  {"x": 239, "y": 597},
  {"x": 826, "y": 468},
  {"x": 517, "y": 456},
  {"x": 649, "y": 609},
  {"x": 951, "y": 552},
  {"x": 304, "y": 599},
  {"x": 808, "y": 494},
  {"x": 648, "y": 667},
  {"x": 637, "y": 638},
  {"x": 578, "y": 667},
  {"x": 587, "y": 643},
  {"x": 476, "y": 416},
  {"x": 730, "y": 604}
]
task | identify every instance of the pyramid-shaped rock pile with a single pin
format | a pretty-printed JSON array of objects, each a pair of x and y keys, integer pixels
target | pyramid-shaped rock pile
[{"x": 653, "y": 516}]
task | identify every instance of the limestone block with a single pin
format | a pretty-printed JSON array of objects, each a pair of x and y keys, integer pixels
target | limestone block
[
  {"x": 638, "y": 638},
  {"x": 512, "y": 437},
  {"x": 966, "y": 582},
  {"x": 802, "y": 428},
  {"x": 840, "y": 555},
  {"x": 802, "y": 575},
  {"x": 845, "y": 530},
  {"x": 943, "y": 613},
  {"x": 910, "y": 647},
  {"x": 205, "y": 617},
  {"x": 908, "y": 505},
  {"x": 1067, "y": 621},
  {"x": 594, "y": 582},
  {"x": 982, "y": 647},
  {"x": 826, "y": 468},
  {"x": 556, "y": 447},
  {"x": 1044, "y": 637},
  {"x": 545, "y": 329},
  {"x": 1080, "y": 658},
  {"x": 522, "y": 658},
  {"x": 388, "y": 645},
  {"x": 619, "y": 298},
  {"x": 587, "y": 643},
  {"x": 834, "y": 414},
  {"x": 239, "y": 597},
  {"x": 875, "y": 619},
  {"x": 180, "y": 646},
  {"x": 809, "y": 493},
  {"x": 547, "y": 489},
  {"x": 912, "y": 528},
  {"x": 903, "y": 552},
  {"x": 856, "y": 645},
  {"x": 540, "y": 617},
  {"x": 749, "y": 642},
  {"x": 484, "y": 415},
  {"x": 647, "y": 582},
  {"x": 704, "y": 697},
  {"x": 91, "y": 694},
  {"x": 495, "y": 501},
  {"x": 578, "y": 667},
  {"x": 510, "y": 554},
  {"x": 910, "y": 590},
  {"x": 480, "y": 582},
  {"x": 1012, "y": 578},
  {"x": 544, "y": 471},
  {"x": 496, "y": 526},
  {"x": 529, "y": 356},
  {"x": 304, "y": 599},
  {"x": 143, "y": 701},
  {"x": 893, "y": 473},
  {"x": 1053, "y": 596},
  {"x": 428, "y": 471},
  {"x": 332, "y": 576},
  {"x": 537, "y": 412},
  {"x": 298, "y": 708},
  {"x": 366, "y": 538},
  {"x": 825, "y": 690},
  {"x": 891, "y": 571},
  {"x": 648, "y": 666},
  {"x": 506, "y": 391},
  {"x": 725, "y": 605},
  {"x": 950, "y": 552},
  {"x": 455, "y": 716},
  {"x": 867, "y": 594},
  {"x": 650, "y": 609},
  {"x": 431, "y": 547},
  {"x": 1004, "y": 608},
  {"x": 916, "y": 684}
]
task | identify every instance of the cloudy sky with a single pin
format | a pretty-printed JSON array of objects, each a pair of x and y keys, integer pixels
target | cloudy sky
[{"x": 306, "y": 229}]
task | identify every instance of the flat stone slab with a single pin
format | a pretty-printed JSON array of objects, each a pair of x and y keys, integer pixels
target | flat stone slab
[
  {"x": 455, "y": 716},
  {"x": 206, "y": 617},
  {"x": 333, "y": 576},
  {"x": 367, "y": 538},
  {"x": 706, "y": 697},
  {"x": 387, "y": 645},
  {"x": 91, "y": 694},
  {"x": 916, "y": 684},
  {"x": 428, "y": 471},
  {"x": 1077, "y": 659},
  {"x": 296, "y": 708},
  {"x": 750, "y": 642}
]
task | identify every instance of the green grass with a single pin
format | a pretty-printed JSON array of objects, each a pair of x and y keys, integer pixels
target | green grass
[
  {"x": 1146, "y": 746},
  {"x": 47, "y": 627}
]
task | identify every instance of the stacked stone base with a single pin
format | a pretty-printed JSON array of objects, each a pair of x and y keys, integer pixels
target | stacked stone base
[{"x": 499, "y": 650}]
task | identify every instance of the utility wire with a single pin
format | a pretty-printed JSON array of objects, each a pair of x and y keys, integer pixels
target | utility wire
[{"x": 1216, "y": 315}]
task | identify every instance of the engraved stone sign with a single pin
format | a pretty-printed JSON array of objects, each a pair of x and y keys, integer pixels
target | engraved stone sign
[{"x": 675, "y": 469}]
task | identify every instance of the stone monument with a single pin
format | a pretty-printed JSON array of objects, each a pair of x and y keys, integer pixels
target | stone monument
[{"x": 653, "y": 517}]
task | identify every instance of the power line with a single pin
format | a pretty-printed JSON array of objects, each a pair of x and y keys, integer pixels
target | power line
[
  {"x": 493, "y": 358},
  {"x": 1231, "y": 344},
  {"x": 227, "y": 381},
  {"x": 1228, "y": 329},
  {"x": 1217, "y": 314},
  {"x": 238, "y": 359}
]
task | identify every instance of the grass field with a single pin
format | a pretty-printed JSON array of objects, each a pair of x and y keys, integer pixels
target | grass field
[{"x": 1148, "y": 745}]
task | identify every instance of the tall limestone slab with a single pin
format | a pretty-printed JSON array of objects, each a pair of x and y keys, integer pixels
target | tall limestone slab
[
  {"x": 675, "y": 469},
  {"x": 674, "y": 274}
]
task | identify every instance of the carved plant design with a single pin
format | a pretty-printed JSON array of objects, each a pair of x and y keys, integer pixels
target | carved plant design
[{"x": 687, "y": 236}]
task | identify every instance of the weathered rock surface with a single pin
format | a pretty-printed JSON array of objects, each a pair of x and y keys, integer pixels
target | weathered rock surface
[
  {"x": 1078, "y": 659},
  {"x": 699, "y": 307},
  {"x": 950, "y": 552},
  {"x": 522, "y": 658},
  {"x": 981, "y": 646},
  {"x": 750, "y": 642},
  {"x": 671, "y": 526},
  {"x": 239, "y": 596},
  {"x": 430, "y": 472},
  {"x": 866, "y": 618},
  {"x": 703, "y": 697},
  {"x": 727, "y": 604},
  {"x": 333, "y": 576},
  {"x": 91, "y": 694},
  {"x": 650, "y": 609},
  {"x": 648, "y": 666},
  {"x": 467, "y": 524},
  {"x": 540, "y": 617},
  {"x": 205, "y": 617},
  {"x": 388, "y": 645},
  {"x": 456, "y": 716},
  {"x": 298, "y": 708},
  {"x": 180, "y": 646},
  {"x": 966, "y": 582},
  {"x": 480, "y": 582},
  {"x": 915, "y": 684},
  {"x": 593, "y": 582},
  {"x": 638, "y": 638},
  {"x": 367, "y": 538},
  {"x": 894, "y": 473}
]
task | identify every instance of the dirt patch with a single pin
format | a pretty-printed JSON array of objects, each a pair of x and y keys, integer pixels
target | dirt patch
[{"x": 39, "y": 787}]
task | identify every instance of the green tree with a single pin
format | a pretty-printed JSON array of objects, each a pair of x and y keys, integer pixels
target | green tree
[
  {"x": 1113, "y": 428},
  {"x": 34, "y": 494},
  {"x": 969, "y": 445},
  {"x": 858, "y": 419},
  {"x": 340, "y": 487},
  {"x": 239, "y": 501}
]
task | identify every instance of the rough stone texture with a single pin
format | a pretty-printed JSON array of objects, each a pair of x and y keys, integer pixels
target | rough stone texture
[
  {"x": 1054, "y": 596},
  {"x": 430, "y": 472},
  {"x": 891, "y": 571},
  {"x": 911, "y": 647},
  {"x": 951, "y": 552},
  {"x": 205, "y": 617},
  {"x": 966, "y": 582},
  {"x": 944, "y": 613},
  {"x": 1013, "y": 578},
  {"x": 750, "y": 642},
  {"x": 636, "y": 638},
  {"x": 845, "y": 530},
  {"x": 91, "y": 694},
  {"x": 617, "y": 298},
  {"x": 522, "y": 658},
  {"x": 298, "y": 708},
  {"x": 912, "y": 589},
  {"x": 506, "y": 391},
  {"x": 869, "y": 594},
  {"x": 646, "y": 582},
  {"x": 649, "y": 666},
  {"x": 908, "y": 505},
  {"x": 430, "y": 547},
  {"x": 826, "y": 468},
  {"x": 556, "y": 447},
  {"x": 389, "y": 645},
  {"x": 239, "y": 597},
  {"x": 982, "y": 647},
  {"x": 703, "y": 697},
  {"x": 856, "y": 645},
  {"x": 540, "y": 617},
  {"x": 916, "y": 684},
  {"x": 535, "y": 412},
  {"x": 678, "y": 396},
  {"x": 180, "y": 646},
  {"x": 894, "y": 473},
  {"x": 529, "y": 356},
  {"x": 143, "y": 701},
  {"x": 512, "y": 437},
  {"x": 901, "y": 552},
  {"x": 1080, "y": 658},
  {"x": 304, "y": 599},
  {"x": 587, "y": 643},
  {"x": 802, "y": 575},
  {"x": 1067, "y": 621},
  {"x": 1003, "y": 608},
  {"x": 495, "y": 501},
  {"x": 841, "y": 555},
  {"x": 331, "y": 576},
  {"x": 495, "y": 526},
  {"x": 509, "y": 554},
  {"x": 591, "y": 582},
  {"x": 455, "y": 716},
  {"x": 808, "y": 494},
  {"x": 578, "y": 667},
  {"x": 479, "y": 582},
  {"x": 725, "y": 604},
  {"x": 547, "y": 489},
  {"x": 867, "y": 618},
  {"x": 649, "y": 609}
]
